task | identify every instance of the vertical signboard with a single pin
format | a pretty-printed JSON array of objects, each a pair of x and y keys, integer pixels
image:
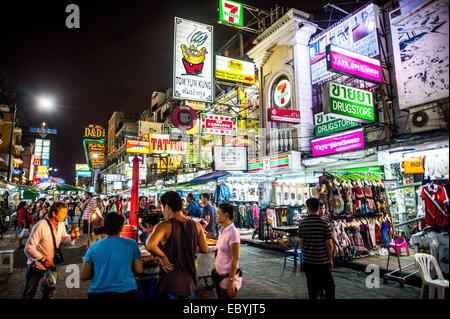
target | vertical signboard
[
  {"x": 193, "y": 61},
  {"x": 357, "y": 32},
  {"x": 421, "y": 45}
]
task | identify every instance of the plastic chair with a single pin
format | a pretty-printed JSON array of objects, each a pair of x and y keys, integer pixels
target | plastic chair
[
  {"x": 296, "y": 253},
  {"x": 401, "y": 243},
  {"x": 424, "y": 261}
]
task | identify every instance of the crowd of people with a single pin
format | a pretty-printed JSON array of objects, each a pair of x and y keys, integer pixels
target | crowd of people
[{"x": 112, "y": 263}]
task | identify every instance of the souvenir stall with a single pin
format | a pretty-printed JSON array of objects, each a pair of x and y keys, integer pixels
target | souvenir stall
[{"x": 357, "y": 207}]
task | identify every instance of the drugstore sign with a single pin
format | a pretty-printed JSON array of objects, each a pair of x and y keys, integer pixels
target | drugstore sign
[
  {"x": 161, "y": 144},
  {"x": 352, "y": 64},
  {"x": 231, "y": 12},
  {"x": 325, "y": 124},
  {"x": 348, "y": 102}
]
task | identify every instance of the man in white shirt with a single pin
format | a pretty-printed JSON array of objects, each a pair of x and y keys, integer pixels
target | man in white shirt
[{"x": 40, "y": 248}]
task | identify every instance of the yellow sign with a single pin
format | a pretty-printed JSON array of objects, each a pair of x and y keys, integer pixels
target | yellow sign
[
  {"x": 201, "y": 106},
  {"x": 235, "y": 70},
  {"x": 94, "y": 131},
  {"x": 174, "y": 162},
  {"x": 82, "y": 167},
  {"x": 414, "y": 166}
]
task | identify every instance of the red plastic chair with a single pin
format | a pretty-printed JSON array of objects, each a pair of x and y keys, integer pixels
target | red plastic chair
[{"x": 401, "y": 243}]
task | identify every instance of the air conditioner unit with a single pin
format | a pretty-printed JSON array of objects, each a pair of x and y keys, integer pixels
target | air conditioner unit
[{"x": 426, "y": 118}]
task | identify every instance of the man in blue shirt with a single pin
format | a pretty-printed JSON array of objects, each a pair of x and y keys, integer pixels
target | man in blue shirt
[
  {"x": 112, "y": 263},
  {"x": 193, "y": 207}
]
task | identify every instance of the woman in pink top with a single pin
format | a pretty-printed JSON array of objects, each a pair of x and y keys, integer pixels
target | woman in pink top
[{"x": 228, "y": 276}]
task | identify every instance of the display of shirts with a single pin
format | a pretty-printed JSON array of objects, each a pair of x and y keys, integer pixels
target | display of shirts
[
  {"x": 286, "y": 194},
  {"x": 436, "y": 166},
  {"x": 277, "y": 194},
  {"x": 440, "y": 249},
  {"x": 433, "y": 216},
  {"x": 265, "y": 193}
]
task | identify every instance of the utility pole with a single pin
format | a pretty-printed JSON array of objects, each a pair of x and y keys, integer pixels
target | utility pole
[{"x": 11, "y": 141}]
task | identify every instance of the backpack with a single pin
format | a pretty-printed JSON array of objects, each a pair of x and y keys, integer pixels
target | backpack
[{"x": 113, "y": 208}]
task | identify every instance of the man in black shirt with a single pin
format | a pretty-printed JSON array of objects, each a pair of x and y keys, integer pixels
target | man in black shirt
[
  {"x": 315, "y": 241},
  {"x": 71, "y": 205}
]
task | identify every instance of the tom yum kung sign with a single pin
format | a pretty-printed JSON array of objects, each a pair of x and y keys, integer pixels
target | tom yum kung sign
[
  {"x": 347, "y": 102},
  {"x": 352, "y": 64}
]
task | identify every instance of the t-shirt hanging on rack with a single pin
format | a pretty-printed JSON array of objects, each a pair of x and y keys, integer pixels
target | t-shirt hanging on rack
[
  {"x": 433, "y": 215},
  {"x": 436, "y": 166},
  {"x": 265, "y": 193},
  {"x": 286, "y": 194}
]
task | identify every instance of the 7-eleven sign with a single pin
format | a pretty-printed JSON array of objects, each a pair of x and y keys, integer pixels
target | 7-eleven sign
[{"x": 231, "y": 12}]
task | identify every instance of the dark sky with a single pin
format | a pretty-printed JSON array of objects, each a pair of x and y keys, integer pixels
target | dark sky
[{"x": 119, "y": 56}]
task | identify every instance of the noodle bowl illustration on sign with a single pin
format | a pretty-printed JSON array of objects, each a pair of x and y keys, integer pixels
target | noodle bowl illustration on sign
[{"x": 193, "y": 57}]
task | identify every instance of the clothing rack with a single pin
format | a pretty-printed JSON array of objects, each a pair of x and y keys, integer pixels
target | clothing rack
[{"x": 390, "y": 275}]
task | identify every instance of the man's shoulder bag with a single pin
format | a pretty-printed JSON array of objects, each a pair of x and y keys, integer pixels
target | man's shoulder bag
[{"x": 58, "y": 258}]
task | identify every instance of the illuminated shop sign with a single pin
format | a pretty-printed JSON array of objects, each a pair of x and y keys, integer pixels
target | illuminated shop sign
[
  {"x": 231, "y": 12},
  {"x": 94, "y": 131},
  {"x": 339, "y": 143},
  {"x": 161, "y": 144},
  {"x": 213, "y": 124},
  {"x": 235, "y": 70}
]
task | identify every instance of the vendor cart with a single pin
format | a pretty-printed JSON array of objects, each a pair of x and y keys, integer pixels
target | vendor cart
[{"x": 205, "y": 264}]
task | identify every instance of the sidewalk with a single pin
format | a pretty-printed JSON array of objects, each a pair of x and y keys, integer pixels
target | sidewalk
[{"x": 359, "y": 264}]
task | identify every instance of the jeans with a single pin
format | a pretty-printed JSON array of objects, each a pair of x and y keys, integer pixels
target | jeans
[
  {"x": 168, "y": 296},
  {"x": 33, "y": 278},
  {"x": 318, "y": 277},
  {"x": 69, "y": 220}
]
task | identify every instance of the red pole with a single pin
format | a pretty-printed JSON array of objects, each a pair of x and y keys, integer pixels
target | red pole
[{"x": 134, "y": 193}]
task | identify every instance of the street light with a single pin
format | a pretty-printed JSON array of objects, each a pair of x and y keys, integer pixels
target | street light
[{"x": 43, "y": 102}]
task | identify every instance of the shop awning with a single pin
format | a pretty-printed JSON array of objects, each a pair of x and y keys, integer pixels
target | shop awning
[{"x": 209, "y": 177}]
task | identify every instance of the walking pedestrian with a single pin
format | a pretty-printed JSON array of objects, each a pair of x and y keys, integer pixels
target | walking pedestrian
[
  {"x": 24, "y": 222},
  {"x": 97, "y": 219},
  {"x": 316, "y": 244},
  {"x": 71, "y": 205},
  {"x": 182, "y": 237},
  {"x": 142, "y": 225},
  {"x": 112, "y": 263},
  {"x": 40, "y": 249},
  {"x": 227, "y": 276},
  {"x": 209, "y": 215},
  {"x": 88, "y": 208}
]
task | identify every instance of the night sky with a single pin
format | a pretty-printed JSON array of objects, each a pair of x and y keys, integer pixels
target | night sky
[{"x": 119, "y": 56}]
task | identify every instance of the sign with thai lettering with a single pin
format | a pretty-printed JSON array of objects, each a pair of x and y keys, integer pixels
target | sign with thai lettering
[
  {"x": 235, "y": 70},
  {"x": 343, "y": 142},
  {"x": 231, "y": 12},
  {"x": 284, "y": 116},
  {"x": 218, "y": 124},
  {"x": 348, "y": 102},
  {"x": 352, "y": 64},
  {"x": 161, "y": 144},
  {"x": 326, "y": 124},
  {"x": 193, "y": 62}
]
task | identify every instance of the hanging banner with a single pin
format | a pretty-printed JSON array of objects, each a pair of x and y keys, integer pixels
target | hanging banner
[
  {"x": 230, "y": 158},
  {"x": 213, "y": 124},
  {"x": 184, "y": 117},
  {"x": 284, "y": 116},
  {"x": 235, "y": 70},
  {"x": 231, "y": 12},
  {"x": 420, "y": 46},
  {"x": 161, "y": 144},
  {"x": 352, "y": 64},
  {"x": 193, "y": 62},
  {"x": 326, "y": 124},
  {"x": 348, "y": 102},
  {"x": 343, "y": 142},
  {"x": 356, "y": 32}
]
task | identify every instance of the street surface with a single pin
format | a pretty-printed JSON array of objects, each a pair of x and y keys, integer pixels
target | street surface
[{"x": 264, "y": 278}]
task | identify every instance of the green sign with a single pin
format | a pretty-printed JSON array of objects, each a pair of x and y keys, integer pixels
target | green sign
[
  {"x": 325, "y": 124},
  {"x": 371, "y": 169},
  {"x": 231, "y": 12},
  {"x": 347, "y": 102}
]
